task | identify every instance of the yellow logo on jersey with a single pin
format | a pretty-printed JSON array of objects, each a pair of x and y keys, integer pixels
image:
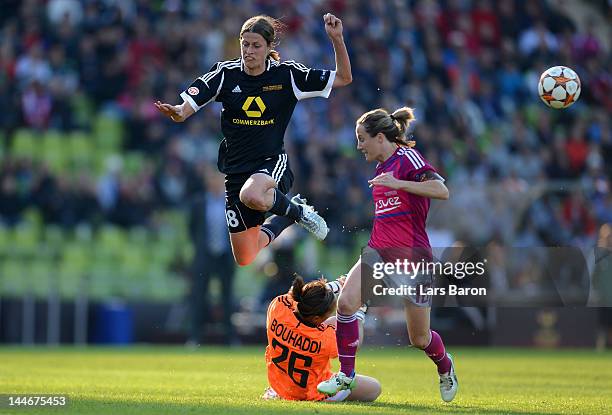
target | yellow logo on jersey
[{"x": 253, "y": 113}]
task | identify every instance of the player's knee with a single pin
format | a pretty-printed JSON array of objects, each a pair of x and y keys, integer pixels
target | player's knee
[
  {"x": 419, "y": 340},
  {"x": 375, "y": 392},
  {"x": 253, "y": 199},
  {"x": 347, "y": 305},
  {"x": 370, "y": 391},
  {"x": 243, "y": 259}
]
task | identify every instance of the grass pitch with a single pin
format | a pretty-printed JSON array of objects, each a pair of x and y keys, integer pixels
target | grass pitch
[{"x": 161, "y": 380}]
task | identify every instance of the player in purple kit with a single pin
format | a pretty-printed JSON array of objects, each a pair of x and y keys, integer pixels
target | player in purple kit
[{"x": 402, "y": 188}]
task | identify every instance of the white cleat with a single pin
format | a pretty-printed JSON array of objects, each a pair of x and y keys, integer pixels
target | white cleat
[
  {"x": 270, "y": 394},
  {"x": 448, "y": 383},
  {"x": 338, "y": 382},
  {"x": 310, "y": 219}
]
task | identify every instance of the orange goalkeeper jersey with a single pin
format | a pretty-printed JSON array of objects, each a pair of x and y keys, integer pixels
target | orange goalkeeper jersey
[{"x": 297, "y": 356}]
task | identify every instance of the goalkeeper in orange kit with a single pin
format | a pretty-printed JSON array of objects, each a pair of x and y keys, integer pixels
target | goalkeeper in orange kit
[{"x": 301, "y": 335}]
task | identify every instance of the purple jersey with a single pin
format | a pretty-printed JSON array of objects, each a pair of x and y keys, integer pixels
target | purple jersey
[{"x": 399, "y": 217}]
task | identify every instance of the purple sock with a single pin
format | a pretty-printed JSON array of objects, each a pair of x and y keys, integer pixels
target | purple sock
[
  {"x": 347, "y": 338},
  {"x": 437, "y": 353}
]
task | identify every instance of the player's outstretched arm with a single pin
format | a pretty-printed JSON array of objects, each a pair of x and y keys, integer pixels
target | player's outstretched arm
[
  {"x": 431, "y": 187},
  {"x": 177, "y": 113},
  {"x": 333, "y": 27}
]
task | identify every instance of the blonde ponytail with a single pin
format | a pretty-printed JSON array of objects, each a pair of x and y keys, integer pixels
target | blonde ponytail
[{"x": 402, "y": 118}]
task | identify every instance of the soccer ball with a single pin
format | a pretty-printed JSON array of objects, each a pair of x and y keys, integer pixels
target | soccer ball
[{"x": 559, "y": 87}]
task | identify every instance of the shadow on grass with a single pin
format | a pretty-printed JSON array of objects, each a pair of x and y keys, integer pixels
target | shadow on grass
[{"x": 451, "y": 408}]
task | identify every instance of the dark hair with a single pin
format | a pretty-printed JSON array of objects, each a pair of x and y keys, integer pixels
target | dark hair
[
  {"x": 313, "y": 299},
  {"x": 268, "y": 27},
  {"x": 393, "y": 126}
]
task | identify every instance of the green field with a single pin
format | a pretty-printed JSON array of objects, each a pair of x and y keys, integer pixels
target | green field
[{"x": 160, "y": 380}]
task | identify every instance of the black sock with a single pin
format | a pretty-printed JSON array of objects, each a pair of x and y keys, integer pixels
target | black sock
[
  {"x": 283, "y": 207},
  {"x": 275, "y": 225}
]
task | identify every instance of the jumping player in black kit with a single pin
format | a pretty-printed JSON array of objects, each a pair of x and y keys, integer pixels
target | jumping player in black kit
[{"x": 259, "y": 94}]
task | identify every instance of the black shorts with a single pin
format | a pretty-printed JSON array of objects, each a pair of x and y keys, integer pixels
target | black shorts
[{"x": 239, "y": 217}]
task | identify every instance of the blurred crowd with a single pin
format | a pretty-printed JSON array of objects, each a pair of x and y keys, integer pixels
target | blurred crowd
[{"x": 469, "y": 67}]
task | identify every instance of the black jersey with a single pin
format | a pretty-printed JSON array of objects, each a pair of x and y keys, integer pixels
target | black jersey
[{"x": 256, "y": 109}]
